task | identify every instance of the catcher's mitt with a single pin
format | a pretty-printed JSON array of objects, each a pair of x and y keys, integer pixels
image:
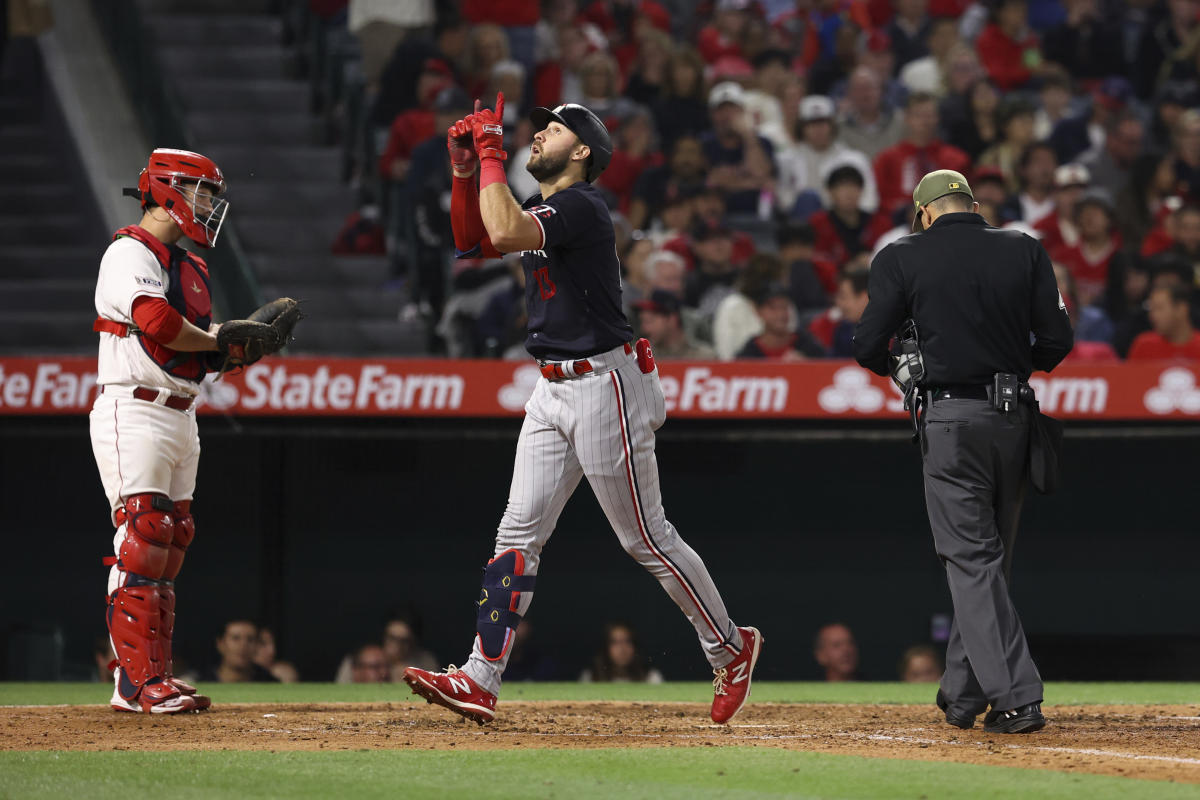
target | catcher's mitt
[{"x": 242, "y": 342}]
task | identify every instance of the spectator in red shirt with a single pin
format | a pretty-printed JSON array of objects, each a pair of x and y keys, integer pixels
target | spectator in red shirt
[
  {"x": 723, "y": 36},
  {"x": 1173, "y": 335},
  {"x": 556, "y": 78},
  {"x": 778, "y": 342},
  {"x": 797, "y": 31},
  {"x": 1058, "y": 229},
  {"x": 634, "y": 152},
  {"x": 1007, "y": 47},
  {"x": 899, "y": 168},
  {"x": 835, "y": 328},
  {"x": 845, "y": 230},
  {"x": 1088, "y": 261},
  {"x": 415, "y": 125}
]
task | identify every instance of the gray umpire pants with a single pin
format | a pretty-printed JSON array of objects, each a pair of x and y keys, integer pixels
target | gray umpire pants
[{"x": 975, "y": 465}]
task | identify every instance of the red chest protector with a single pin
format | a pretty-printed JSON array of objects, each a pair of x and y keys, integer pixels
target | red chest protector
[{"x": 187, "y": 292}]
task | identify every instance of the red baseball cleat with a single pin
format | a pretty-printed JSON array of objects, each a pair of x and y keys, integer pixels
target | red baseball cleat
[
  {"x": 156, "y": 698},
  {"x": 454, "y": 690},
  {"x": 731, "y": 683}
]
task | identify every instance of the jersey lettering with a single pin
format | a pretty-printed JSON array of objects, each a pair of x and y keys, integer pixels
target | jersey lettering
[{"x": 546, "y": 287}]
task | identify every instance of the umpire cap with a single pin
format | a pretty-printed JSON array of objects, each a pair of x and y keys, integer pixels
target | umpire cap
[{"x": 584, "y": 124}]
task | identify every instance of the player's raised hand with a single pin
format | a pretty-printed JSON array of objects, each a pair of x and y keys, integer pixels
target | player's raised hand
[
  {"x": 462, "y": 150},
  {"x": 488, "y": 130}
]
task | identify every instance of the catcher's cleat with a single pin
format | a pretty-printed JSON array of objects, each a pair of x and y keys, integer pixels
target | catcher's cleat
[
  {"x": 731, "y": 683},
  {"x": 454, "y": 690},
  {"x": 154, "y": 698}
]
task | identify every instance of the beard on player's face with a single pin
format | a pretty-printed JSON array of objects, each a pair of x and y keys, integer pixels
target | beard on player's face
[{"x": 545, "y": 166}]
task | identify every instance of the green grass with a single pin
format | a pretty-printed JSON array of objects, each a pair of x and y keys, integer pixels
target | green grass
[
  {"x": 734, "y": 773},
  {"x": 764, "y": 692}
]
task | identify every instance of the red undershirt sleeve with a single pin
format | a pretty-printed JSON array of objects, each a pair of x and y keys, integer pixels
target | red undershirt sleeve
[
  {"x": 470, "y": 237},
  {"x": 155, "y": 318}
]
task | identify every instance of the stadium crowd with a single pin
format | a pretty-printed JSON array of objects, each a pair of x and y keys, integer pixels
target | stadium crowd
[
  {"x": 765, "y": 149},
  {"x": 245, "y": 652}
]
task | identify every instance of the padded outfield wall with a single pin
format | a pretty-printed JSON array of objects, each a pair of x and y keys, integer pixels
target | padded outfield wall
[{"x": 318, "y": 526}]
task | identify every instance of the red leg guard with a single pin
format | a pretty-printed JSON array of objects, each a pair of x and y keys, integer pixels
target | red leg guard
[
  {"x": 149, "y": 532},
  {"x": 182, "y": 535},
  {"x": 135, "y": 625}
]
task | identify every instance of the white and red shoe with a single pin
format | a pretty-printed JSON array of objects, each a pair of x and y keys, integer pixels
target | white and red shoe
[
  {"x": 156, "y": 698},
  {"x": 731, "y": 683},
  {"x": 454, "y": 690}
]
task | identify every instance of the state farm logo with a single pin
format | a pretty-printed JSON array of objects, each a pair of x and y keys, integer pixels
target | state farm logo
[
  {"x": 1176, "y": 391},
  {"x": 852, "y": 390},
  {"x": 373, "y": 387},
  {"x": 1071, "y": 395},
  {"x": 515, "y": 395},
  {"x": 700, "y": 390}
]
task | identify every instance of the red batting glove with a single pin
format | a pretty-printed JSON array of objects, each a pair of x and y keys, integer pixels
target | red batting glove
[
  {"x": 488, "y": 130},
  {"x": 461, "y": 147}
]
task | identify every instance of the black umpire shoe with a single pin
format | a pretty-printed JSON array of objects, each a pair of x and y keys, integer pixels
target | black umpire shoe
[
  {"x": 1026, "y": 719},
  {"x": 955, "y": 718}
]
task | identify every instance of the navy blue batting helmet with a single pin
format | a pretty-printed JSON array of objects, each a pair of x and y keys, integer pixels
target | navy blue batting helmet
[{"x": 584, "y": 124}]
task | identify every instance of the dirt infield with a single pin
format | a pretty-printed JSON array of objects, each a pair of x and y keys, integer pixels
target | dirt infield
[{"x": 1155, "y": 742}]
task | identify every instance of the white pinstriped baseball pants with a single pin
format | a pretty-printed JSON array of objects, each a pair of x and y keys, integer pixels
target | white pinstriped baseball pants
[{"x": 601, "y": 426}]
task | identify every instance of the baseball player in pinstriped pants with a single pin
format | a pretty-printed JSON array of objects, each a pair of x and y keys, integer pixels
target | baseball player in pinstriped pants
[{"x": 594, "y": 412}]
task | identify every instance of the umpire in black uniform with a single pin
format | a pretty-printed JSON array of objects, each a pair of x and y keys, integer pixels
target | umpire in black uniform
[{"x": 988, "y": 312}]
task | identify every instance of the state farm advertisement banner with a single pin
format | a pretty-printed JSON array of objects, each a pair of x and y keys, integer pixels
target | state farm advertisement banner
[{"x": 306, "y": 386}]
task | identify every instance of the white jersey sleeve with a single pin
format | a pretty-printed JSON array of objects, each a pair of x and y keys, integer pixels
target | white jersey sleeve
[{"x": 127, "y": 270}]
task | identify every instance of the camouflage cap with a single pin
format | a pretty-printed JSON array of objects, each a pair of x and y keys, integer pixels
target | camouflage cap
[{"x": 938, "y": 183}]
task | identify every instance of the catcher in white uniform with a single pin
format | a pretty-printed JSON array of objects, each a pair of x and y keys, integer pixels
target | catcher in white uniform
[{"x": 157, "y": 342}]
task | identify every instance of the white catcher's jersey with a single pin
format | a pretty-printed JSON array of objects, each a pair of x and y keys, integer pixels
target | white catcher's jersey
[{"x": 129, "y": 270}]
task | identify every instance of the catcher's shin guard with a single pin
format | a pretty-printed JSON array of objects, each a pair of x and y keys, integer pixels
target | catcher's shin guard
[
  {"x": 503, "y": 583},
  {"x": 135, "y": 627},
  {"x": 135, "y": 603}
]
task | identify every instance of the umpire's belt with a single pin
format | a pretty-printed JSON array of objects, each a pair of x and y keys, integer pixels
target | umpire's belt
[
  {"x": 162, "y": 397},
  {"x": 601, "y": 362},
  {"x": 958, "y": 392}
]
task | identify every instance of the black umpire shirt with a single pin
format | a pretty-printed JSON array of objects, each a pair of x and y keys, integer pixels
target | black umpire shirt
[
  {"x": 976, "y": 294},
  {"x": 573, "y": 283}
]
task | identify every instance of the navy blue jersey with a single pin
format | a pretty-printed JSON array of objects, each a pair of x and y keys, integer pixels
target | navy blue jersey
[{"x": 573, "y": 283}]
